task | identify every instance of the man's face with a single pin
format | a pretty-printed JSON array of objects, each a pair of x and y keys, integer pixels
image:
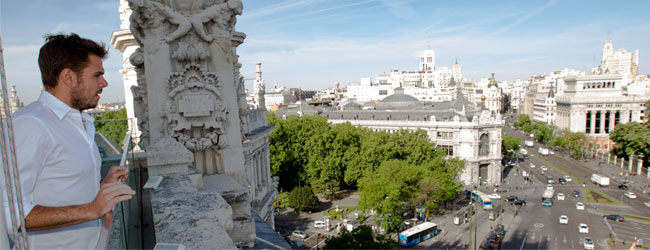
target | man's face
[{"x": 89, "y": 85}]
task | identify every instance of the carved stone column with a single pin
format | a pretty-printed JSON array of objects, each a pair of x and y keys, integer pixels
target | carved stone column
[
  {"x": 612, "y": 120},
  {"x": 602, "y": 121},
  {"x": 592, "y": 128}
]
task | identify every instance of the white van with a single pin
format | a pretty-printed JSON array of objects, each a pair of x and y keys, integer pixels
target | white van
[{"x": 319, "y": 224}]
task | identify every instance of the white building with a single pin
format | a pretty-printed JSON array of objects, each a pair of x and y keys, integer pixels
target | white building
[
  {"x": 621, "y": 61},
  {"x": 594, "y": 104},
  {"x": 428, "y": 84}
]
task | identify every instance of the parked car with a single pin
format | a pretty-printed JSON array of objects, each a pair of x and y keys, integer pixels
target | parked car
[
  {"x": 319, "y": 224},
  {"x": 560, "y": 196},
  {"x": 300, "y": 234},
  {"x": 494, "y": 196},
  {"x": 630, "y": 195},
  {"x": 550, "y": 180},
  {"x": 532, "y": 165},
  {"x": 519, "y": 202},
  {"x": 647, "y": 204},
  {"x": 576, "y": 193},
  {"x": 588, "y": 243},
  {"x": 511, "y": 198},
  {"x": 580, "y": 206},
  {"x": 567, "y": 178},
  {"x": 583, "y": 228},
  {"x": 562, "y": 181},
  {"x": 564, "y": 219},
  {"x": 549, "y": 186},
  {"x": 544, "y": 168},
  {"x": 622, "y": 187},
  {"x": 614, "y": 217}
]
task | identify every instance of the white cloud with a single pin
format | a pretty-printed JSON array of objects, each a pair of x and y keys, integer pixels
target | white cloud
[{"x": 525, "y": 17}]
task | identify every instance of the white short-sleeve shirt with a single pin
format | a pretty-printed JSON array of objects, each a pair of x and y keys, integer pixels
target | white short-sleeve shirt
[{"x": 59, "y": 165}]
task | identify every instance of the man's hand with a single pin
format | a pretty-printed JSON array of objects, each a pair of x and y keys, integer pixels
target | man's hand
[
  {"x": 45, "y": 218},
  {"x": 109, "y": 195},
  {"x": 115, "y": 173}
]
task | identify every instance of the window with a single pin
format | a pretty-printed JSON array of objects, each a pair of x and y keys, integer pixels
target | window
[
  {"x": 484, "y": 145},
  {"x": 449, "y": 149},
  {"x": 429, "y": 59},
  {"x": 444, "y": 135},
  {"x": 383, "y": 92}
]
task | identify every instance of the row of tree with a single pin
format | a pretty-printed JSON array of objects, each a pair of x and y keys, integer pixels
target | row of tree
[
  {"x": 112, "y": 125},
  {"x": 391, "y": 170}
]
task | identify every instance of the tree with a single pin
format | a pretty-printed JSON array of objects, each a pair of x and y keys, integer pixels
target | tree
[
  {"x": 303, "y": 199},
  {"x": 631, "y": 138},
  {"x": 543, "y": 132},
  {"x": 113, "y": 129},
  {"x": 522, "y": 121},
  {"x": 510, "y": 145},
  {"x": 394, "y": 182},
  {"x": 360, "y": 238}
]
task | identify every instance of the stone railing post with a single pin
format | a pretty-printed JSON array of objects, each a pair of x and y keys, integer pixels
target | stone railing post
[
  {"x": 631, "y": 162},
  {"x": 615, "y": 158},
  {"x": 640, "y": 165}
]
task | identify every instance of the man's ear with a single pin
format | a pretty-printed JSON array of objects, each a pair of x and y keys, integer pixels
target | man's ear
[{"x": 68, "y": 78}]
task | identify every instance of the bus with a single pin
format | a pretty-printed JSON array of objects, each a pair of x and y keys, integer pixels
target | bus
[
  {"x": 481, "y": 197},
  {"x": 418, "y": 233},
  {"x": 547, "y": 197}
]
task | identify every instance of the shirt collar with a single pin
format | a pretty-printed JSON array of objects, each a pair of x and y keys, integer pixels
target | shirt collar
[{"x": 59, "y": 107}]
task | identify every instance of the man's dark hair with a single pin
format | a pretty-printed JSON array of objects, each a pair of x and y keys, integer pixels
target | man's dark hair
[{"x": 62, "y": 51}]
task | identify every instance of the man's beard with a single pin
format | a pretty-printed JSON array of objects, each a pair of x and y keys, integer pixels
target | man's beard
[{"x": 77, "y": 101}]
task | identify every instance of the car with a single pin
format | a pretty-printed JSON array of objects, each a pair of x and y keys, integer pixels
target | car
[
  {"x": 510, "y": 198},
  {"x": 562, "y": 181},
  {"x": 519, "y": 202},
  {"x": 630, "y": 195},
  {"x": 549, "y": 186},
  {"x": 550, "y": 180},
  {"x": 647, "y": 204},
  {"x": 544, "y": 168},
  {"x": 568, "y": 178},
  {"x": 564, "y": 219},
  {"x": 300, "y": 234},
  {"x": 532, "y": 165},
  {"x": 319, "y": 224},
  {"x": 588, "y": 243},
  {"x": 494, "y": 196},
  {"x": 622, "y": 187},
  {"x": 614, "y": 217},
  {"x": 576, "y": 193},
  {"x": 560, "y": 196},
  {"x": 580, "y": 206},
  {"x": 583, "y": 228}
]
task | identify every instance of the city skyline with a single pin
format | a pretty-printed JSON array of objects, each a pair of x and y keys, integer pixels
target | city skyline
[{"x": 313, "y": 43}]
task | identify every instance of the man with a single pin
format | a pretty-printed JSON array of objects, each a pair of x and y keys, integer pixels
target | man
[{"x": 58, "y": 160}]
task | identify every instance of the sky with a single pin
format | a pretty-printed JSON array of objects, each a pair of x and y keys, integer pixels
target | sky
[{"x": 314, "y": 43}]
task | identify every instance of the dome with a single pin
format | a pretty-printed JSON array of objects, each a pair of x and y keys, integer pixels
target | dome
[
  {"x": 399, "y": 98},
  {"x": 493, "y": 82},
  {"x": 399, "y": 101}
]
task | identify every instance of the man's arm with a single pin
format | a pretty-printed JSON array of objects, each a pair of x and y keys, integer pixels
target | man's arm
[{"x": 44, "y": 218}]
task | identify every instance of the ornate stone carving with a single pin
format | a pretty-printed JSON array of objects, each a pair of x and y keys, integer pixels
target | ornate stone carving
[
  {"x": 196, "y": 103},
  {"x": 140, "y": 109}
]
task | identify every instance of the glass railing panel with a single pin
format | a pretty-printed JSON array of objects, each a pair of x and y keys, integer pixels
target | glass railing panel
[{"x": 127, "y": 224}]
